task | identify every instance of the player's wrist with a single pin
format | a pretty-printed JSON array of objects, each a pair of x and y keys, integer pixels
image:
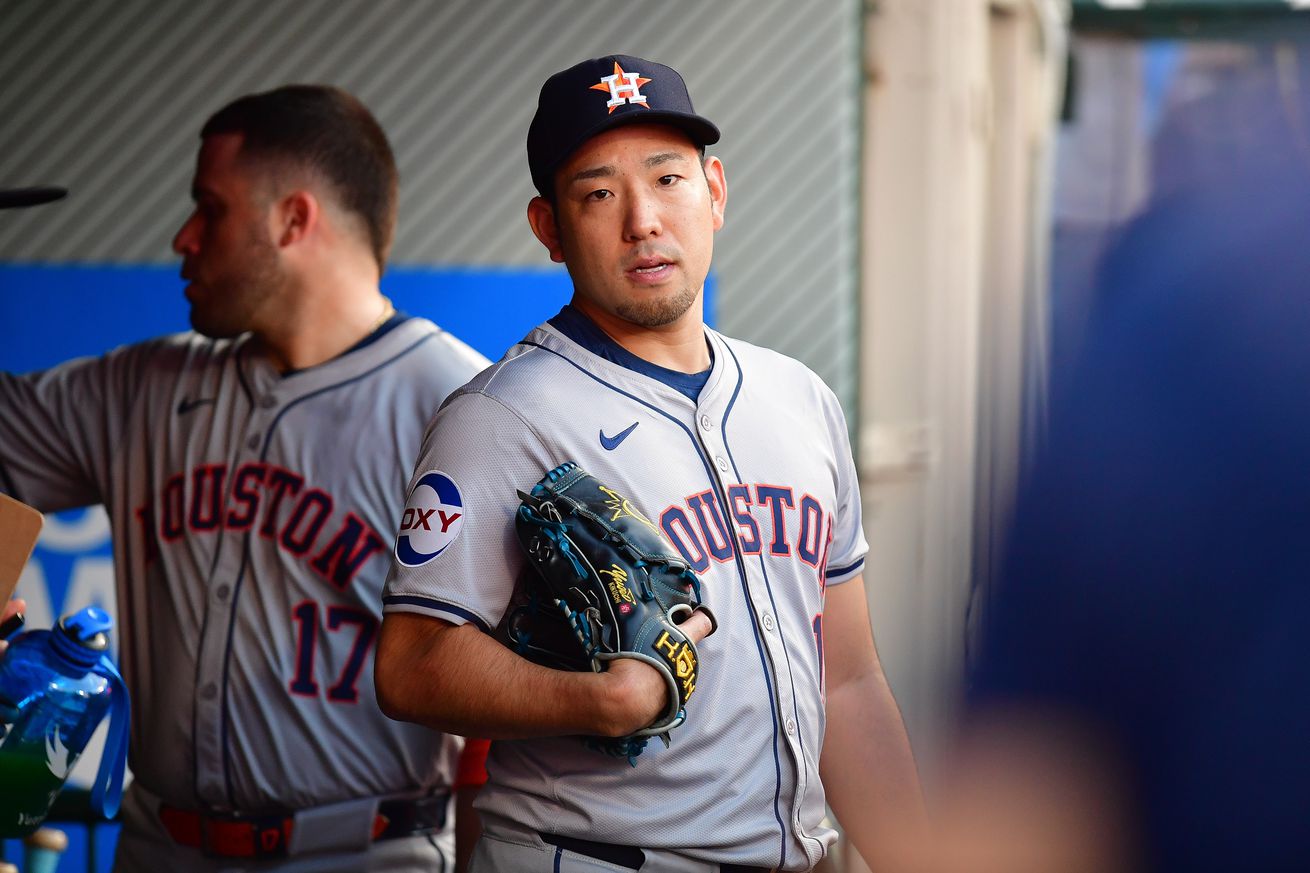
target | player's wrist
[{"x": 634, "y": 696}]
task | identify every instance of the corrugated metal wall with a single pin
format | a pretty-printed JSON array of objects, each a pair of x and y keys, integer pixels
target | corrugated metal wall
[{"x": 107, "y": 98}]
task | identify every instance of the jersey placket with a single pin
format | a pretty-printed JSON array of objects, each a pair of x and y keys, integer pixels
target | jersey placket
[
  {"x": 231, "y": 568},
  {"x": 711, "y": 413}
]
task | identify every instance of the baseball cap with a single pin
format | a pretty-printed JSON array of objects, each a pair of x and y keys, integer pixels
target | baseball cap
[
  {"x": 15, "y": 198},
  {"x": 596, "y": 95}
]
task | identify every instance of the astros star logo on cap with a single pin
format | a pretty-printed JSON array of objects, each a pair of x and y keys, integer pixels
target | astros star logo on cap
[
  {"x": 637, "y": 91},
  {"x": 623, "y": 87}
]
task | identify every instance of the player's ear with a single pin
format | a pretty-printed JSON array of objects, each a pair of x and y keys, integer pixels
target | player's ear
[
  {"x": 294, "y": 216},
  {"x": 541, "y": 215},
  {"x": 718, "y": 183}
]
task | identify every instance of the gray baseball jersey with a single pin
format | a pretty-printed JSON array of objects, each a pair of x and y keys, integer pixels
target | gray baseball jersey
[
  {"x": 753, "y": 482},
  {"x": 252, "y": 513}
]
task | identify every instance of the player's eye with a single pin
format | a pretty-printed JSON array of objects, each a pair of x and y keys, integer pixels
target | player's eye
[
  {"x": 668, "y": 180},
  {"x": 599, "y": 194}
]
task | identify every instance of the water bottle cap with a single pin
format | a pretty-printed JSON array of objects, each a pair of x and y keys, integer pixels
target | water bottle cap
[{"x": 88, "y": 627}]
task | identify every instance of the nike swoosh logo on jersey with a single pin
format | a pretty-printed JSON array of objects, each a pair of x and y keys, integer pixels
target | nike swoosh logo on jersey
[
  {"x": 612, "y": 443},
  {"x": 186, "y": 405}
]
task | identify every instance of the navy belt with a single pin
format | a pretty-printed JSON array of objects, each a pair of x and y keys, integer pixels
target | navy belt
[{"x": 629, "y": 857}]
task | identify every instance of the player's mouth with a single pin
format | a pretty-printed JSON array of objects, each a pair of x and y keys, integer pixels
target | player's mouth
[{"x": 650, "y": 271}]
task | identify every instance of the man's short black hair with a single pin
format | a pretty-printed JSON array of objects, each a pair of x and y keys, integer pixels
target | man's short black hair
[{"x": 323, "y": 129}]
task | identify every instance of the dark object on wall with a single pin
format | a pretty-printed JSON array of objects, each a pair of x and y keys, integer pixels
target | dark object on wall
[{"x": 14, "y": 198}]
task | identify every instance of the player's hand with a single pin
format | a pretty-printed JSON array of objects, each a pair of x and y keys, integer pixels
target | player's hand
[
  {"x": 640, "y": 689},
  {"x": 697, "y": 626},
  {"x": 11, "y": 609}
]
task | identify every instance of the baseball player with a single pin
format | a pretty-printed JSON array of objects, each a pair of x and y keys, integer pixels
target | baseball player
[
  {"x": 251, "y": 472},
  {"x": 738, "y": 454}
]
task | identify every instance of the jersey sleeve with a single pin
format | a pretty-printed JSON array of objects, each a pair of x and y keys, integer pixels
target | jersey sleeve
[
  {"x": 846, "y": 551},
  {"x": 58, "y": 428},
  {"x": 456, "y": 556},
  {"x": 459, "y": 363}
]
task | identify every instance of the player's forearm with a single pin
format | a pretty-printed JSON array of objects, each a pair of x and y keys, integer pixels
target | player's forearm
[
  {"x": 868, "y": 771},
  {"x": 1030, "y": 790},
  {"x": 458, "y": 680}
]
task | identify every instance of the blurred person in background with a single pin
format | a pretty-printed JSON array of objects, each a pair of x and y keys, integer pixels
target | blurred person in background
[{"x": 1140, "y": 701}]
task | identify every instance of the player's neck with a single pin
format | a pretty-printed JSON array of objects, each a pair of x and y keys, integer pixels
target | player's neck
[
  {"x": 319, "y": 326},
  {"x": 679, "y": 346}
]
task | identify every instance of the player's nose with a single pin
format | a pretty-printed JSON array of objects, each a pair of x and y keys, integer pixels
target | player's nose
[
  {"x": 641, "y": 218},
  {"x": 185, "y": 241}
]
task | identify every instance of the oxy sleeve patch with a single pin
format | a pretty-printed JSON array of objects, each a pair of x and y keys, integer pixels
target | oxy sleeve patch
[{"x": 433, "y": 516}]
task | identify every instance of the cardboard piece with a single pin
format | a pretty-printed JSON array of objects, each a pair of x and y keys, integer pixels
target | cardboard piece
[{"x": 20, "y": 525}]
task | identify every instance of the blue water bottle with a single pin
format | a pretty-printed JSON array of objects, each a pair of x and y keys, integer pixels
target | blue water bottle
[{"x": 55, "y": 687}]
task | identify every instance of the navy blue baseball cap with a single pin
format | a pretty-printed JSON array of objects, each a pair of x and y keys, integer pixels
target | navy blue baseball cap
[{"x": 596, "y": 95}]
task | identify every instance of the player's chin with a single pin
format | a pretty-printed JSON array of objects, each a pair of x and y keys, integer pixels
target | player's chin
[
  {"x": 212, "y": 324},
  {"x": 659, "y": 310}
]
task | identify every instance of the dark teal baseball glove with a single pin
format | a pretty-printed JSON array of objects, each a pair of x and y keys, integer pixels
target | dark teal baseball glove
[{"x": 607, "y": 585}]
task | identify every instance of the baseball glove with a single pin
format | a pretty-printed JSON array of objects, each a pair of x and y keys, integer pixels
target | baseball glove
[{"x": 607, "y": 586}]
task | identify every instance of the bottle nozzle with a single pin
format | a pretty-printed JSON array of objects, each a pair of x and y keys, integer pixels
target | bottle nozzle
[{"x": 88, "y": 627}]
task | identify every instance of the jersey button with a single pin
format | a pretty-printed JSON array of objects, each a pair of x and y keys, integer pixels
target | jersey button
[
  {"x": 268, "y": 401},
  {"x": 722, "y": 464},
  {"x": 791, "y": 728},
  {"x": 253, "y": 442},
  {"x": 223, "y": 591},
  {"x": 705, "y": 423},
  {"x": 209, "y": 692},
  {"x": 768, "y": 621}
]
